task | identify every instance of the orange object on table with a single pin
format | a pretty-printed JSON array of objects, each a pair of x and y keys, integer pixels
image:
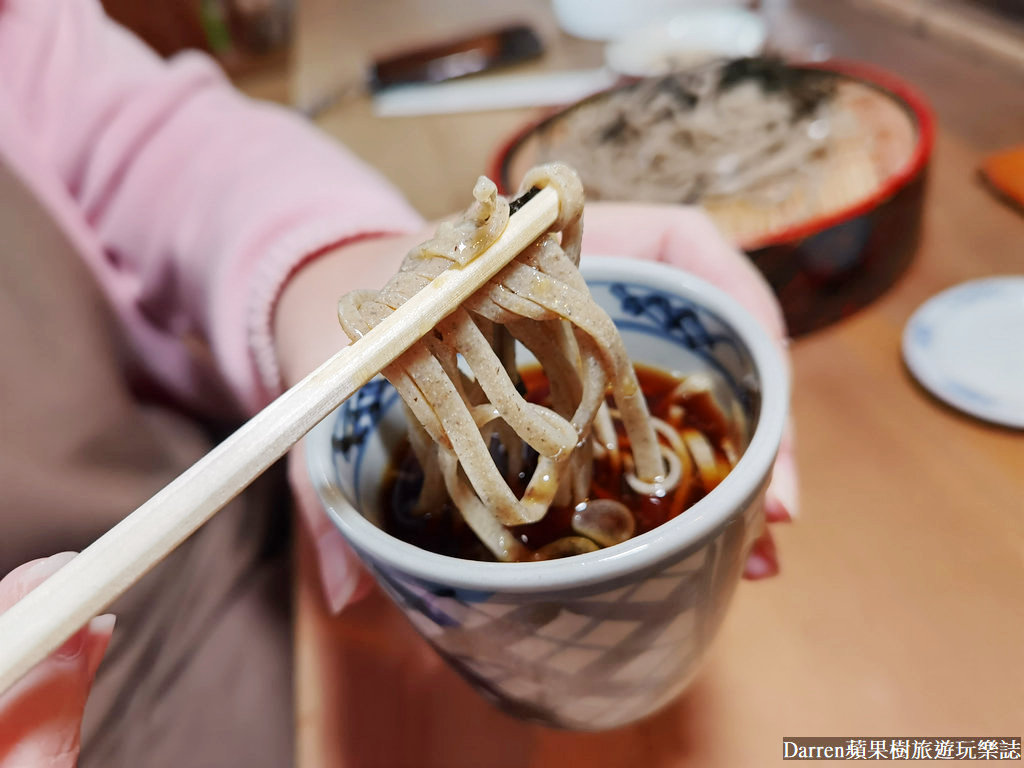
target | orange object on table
[{"x": 1004, "y": 171}]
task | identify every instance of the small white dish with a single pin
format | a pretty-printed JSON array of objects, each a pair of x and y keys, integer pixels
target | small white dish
[
  {"x": 687, "y": 39},
  {"x": 966, "y": 346},
  {"x": 611, "y": 19}
]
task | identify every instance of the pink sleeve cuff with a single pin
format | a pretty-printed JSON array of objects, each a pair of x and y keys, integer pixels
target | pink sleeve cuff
[{"x": 268, "y": 281}]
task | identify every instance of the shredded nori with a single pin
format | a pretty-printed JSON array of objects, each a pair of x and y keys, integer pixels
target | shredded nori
[
  {"x": 806, "y": 88},
  {"x": 615, "y": 130},
  {"x": 675, "y": 88},
  {"x": 522, "y": 200}
]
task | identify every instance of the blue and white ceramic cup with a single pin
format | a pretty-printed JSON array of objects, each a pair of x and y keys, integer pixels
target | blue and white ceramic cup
[{"x": 598, "y": 640}]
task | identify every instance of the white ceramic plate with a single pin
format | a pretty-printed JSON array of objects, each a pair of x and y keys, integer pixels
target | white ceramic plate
[
  {"x": 687, "y": 39},
  {"x": 966, "y": 346}
]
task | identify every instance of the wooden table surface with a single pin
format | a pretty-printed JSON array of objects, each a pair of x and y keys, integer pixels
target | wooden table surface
[{"x": 899, "y": 608}]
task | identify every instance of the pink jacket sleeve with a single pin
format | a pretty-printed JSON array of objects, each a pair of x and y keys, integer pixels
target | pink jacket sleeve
[{"x": 204, "y": 202}]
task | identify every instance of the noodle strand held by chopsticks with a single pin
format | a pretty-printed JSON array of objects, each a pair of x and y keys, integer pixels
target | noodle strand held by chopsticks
[{"x": 541, "y": 301}]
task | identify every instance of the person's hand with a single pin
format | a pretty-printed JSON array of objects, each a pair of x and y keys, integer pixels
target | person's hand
[
  {"x": 41, "y": 715},
  {"x": 307, "y": 333}
]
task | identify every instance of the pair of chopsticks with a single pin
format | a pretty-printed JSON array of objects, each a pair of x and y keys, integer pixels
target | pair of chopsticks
[{"x": 46, "y": 617}]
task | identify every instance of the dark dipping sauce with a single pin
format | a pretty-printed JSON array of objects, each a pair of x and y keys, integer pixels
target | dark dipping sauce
[{"x": 444, "y": 532}]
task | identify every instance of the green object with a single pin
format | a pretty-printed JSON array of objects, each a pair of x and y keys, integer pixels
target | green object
[{"x": 212, "y": 17}]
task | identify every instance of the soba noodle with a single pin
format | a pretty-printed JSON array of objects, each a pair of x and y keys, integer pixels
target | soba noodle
[
  {"x": 712, "y": 132},
  {"x": 456, "y": 408},
  {"x": 759, "y": 145}
]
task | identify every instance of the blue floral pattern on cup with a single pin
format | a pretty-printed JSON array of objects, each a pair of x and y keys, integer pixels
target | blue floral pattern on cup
[
  {"x": 356, "y": 420},
  {"x": 692, "y": 326}
]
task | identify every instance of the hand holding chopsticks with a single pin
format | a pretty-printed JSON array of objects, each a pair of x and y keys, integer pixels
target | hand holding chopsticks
[{"x": 51, "y": 613}]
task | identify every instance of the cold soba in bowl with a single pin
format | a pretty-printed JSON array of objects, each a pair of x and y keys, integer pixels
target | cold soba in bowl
[
  {"x": 817, "y": 172},
  {"x": 622, "y": 499},
  {"x": 761, "y": 145}
]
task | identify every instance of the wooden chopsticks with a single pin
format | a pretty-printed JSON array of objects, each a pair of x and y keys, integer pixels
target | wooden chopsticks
[{"x": 57, "y": 608}]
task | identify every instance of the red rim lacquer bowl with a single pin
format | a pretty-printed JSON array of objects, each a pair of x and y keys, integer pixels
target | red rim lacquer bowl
[{"x": 826, "y": 267}]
